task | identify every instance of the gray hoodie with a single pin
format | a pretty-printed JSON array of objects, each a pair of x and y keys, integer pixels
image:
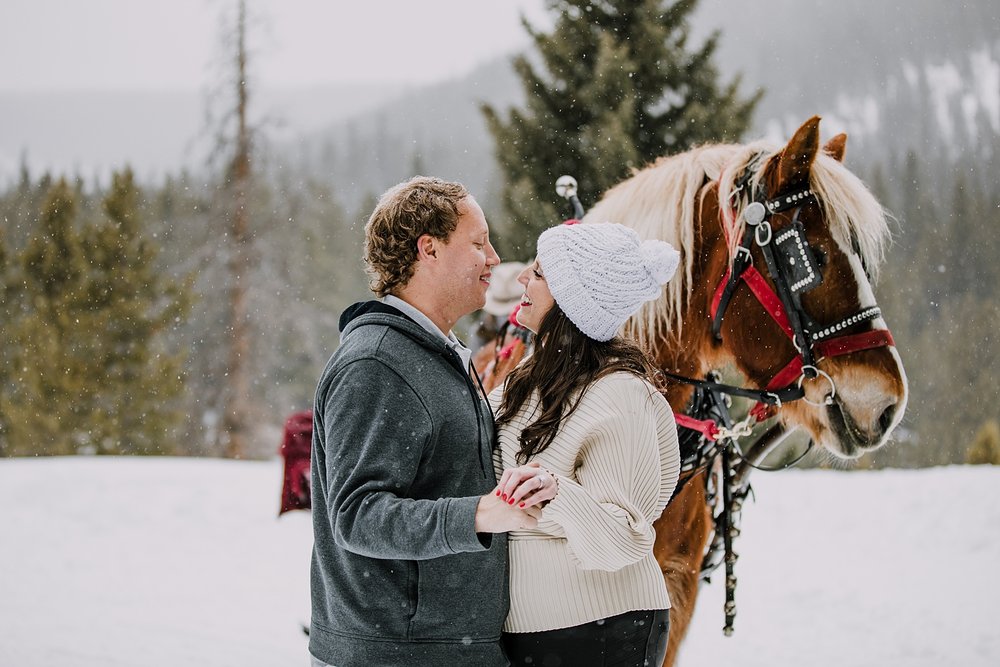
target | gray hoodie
[{"x": 402, "y": 451}]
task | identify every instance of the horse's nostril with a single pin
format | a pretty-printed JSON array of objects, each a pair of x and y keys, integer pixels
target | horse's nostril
[{"x": 885, "y": 419}]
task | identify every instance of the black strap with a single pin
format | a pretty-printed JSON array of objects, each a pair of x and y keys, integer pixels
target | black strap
[
  {"x": 790, "y": 393},
  {"x": 740, "y": 264},
  {"x": 482, "y": 390}
]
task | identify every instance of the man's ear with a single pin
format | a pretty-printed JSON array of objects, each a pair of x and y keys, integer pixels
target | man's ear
[{"x": 427, "y": 247}]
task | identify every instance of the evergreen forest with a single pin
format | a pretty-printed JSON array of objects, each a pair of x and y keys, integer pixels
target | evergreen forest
[{"x": 123, "y": 300}]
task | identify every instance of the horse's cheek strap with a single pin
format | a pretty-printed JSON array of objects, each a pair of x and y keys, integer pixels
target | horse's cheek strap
[{"x": 720, "y": 292}]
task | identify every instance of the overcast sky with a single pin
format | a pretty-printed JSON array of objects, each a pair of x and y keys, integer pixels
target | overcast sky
[{"x": 55, "y": 45}]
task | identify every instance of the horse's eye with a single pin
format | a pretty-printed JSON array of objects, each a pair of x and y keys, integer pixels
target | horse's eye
[{"x": 820, "y": 258}]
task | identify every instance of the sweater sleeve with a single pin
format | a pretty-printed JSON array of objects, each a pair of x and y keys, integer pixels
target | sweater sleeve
[
  {"x": 627, "y": 466},
  {"x": 376, "y": 430}
]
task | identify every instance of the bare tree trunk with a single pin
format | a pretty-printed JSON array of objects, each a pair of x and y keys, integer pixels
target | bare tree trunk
[{"x": 236, "y": 416}]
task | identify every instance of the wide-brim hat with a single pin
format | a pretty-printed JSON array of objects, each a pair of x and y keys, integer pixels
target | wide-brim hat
[{"x": 504, "y": 292}]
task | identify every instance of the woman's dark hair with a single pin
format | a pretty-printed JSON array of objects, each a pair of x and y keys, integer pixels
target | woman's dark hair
[{"x": 564, "y": 361}]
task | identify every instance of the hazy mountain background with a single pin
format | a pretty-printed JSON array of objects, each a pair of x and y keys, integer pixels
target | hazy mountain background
[{"x": 895, "y": 75}]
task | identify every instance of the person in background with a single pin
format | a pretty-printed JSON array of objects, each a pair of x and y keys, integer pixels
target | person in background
[
  {"x": 506, "y": 341},
  {"x": 583, "y": 412},
  {"x": 409, "y": 564}
]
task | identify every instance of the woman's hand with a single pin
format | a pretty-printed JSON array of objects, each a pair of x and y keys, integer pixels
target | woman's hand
[{"x": 527, "y": 486}]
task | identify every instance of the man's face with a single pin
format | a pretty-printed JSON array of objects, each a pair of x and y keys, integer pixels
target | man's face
[{"x": 466, "y": 260}]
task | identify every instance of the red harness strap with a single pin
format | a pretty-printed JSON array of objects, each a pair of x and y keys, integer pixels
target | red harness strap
[
  {"x": 835, "y": 347},
  {"x": 765, "y": 295},
  {"x": 866, "y": 340},
  {"x": 706, "y": 427}
]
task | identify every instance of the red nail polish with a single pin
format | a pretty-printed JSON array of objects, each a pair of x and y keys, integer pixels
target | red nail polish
[
  {"x": 511, "y": 501},
  {"x": 521, "y": 505},
  {"x": 498, "y": 492},
  {"x": 504, "y": 497}
]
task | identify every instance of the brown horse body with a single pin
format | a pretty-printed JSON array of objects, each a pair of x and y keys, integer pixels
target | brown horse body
[{"x": 695, "y": 201}]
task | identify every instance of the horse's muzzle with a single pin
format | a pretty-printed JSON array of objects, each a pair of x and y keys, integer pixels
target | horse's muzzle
[{"x": 856, "y": 437}]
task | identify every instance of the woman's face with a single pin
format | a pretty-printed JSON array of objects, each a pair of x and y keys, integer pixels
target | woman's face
[{"x": 537, "y": 299}]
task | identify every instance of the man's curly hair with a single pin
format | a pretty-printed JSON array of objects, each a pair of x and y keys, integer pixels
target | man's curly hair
[{"x": 421, "y": 205}]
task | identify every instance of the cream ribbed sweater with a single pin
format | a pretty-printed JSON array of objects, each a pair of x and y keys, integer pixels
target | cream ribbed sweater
[{"x": 591, "y": 556}]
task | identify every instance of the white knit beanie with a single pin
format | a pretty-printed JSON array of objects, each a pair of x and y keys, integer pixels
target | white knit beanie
[{"x": 601, "y": 274}]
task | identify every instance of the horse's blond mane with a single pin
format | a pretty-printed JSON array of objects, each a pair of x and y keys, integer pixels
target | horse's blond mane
[{"x": 660, "y": 201}]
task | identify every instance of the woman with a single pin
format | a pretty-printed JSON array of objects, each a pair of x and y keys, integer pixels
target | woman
[{"x": 581, "y": 422}]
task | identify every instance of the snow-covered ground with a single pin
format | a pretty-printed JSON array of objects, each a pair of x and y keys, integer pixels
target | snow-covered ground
[{"x": 164, "y": 562}]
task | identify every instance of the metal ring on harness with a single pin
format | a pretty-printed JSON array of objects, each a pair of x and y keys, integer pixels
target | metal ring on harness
[
  {"x": 755, "y": 213},
  {"x": 833, "y": 387}
]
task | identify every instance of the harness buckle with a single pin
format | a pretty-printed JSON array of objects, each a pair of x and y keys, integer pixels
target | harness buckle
[
  {"x": 740, "y": 430},
  {"x": 744, "y": 252},
  {"x": 762, "y": 234}
]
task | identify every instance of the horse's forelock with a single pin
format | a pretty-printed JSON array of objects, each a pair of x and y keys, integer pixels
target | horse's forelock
[
  {"x": 851, "y": 211},
  {"x": 853, "y": 214}
]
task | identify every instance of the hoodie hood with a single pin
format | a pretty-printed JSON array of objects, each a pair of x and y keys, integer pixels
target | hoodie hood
[{"x": 368, "y": 313}]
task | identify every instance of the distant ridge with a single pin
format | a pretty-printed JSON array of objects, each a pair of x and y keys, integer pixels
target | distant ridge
[
  {"x": 89, "y": 133},
  {"x": 893, "y": 73}
]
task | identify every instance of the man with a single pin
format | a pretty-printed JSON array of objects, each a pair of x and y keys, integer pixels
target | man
[{"x": 409, "y": 564}]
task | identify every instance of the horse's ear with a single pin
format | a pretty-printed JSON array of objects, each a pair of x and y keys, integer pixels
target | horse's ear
[
  {"x": 797, "y": 157},
  {"x": 836, "y": 147}
]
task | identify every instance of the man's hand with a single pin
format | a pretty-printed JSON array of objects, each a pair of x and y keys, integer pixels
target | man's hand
[{"x": 494, "y": 515}]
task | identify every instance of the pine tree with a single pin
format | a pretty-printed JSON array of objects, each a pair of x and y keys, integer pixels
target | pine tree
[
  {"x": 985, "y": 448},
  {"x": 235, "y": 428},
  {"x": 7, "y": 311},
  {"x": 620, "y": 88},
  {"x": 916, "y": 261},
  {"x": 43, "y": 410},
  {"x": 133, "y": 306}
]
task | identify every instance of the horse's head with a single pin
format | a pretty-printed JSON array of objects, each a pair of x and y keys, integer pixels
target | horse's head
[
  {"x": 826, "y": 317},
  {"x": 825, "y": 234}
]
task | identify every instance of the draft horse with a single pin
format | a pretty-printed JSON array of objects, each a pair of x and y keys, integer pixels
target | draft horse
[{"x": 779, "y": 249}]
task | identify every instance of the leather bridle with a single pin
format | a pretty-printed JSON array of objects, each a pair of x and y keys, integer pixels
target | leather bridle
[{"x": 793, "y": 269}]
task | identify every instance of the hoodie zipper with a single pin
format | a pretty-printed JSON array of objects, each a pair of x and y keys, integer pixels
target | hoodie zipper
[{"x": 456, "y": 362}]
